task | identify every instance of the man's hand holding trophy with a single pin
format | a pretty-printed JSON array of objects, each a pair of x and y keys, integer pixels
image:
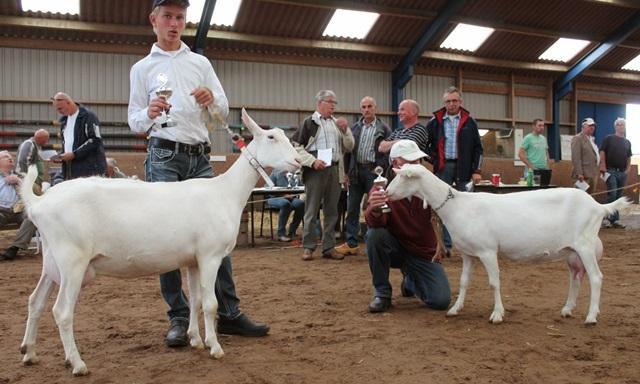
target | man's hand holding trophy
[
  {"x": 381, "y": 182},
  {"x": 159, "y": 107}
]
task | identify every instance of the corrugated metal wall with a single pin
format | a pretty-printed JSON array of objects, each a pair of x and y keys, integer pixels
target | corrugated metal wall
[{"x": 280, "y": 94}]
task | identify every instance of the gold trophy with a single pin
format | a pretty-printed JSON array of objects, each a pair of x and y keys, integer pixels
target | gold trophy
[
  {"x": 164, "y": 120},
  {"x": 381, "y": 182}
]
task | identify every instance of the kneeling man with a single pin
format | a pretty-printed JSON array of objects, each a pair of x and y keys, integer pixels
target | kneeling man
[{"x": 404, "y": 238}]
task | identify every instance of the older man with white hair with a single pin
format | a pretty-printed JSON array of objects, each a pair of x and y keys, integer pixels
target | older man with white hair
[{"x": 404, "y": 238}]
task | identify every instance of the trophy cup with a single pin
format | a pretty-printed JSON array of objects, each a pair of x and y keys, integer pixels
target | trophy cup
[
  {"x": 164, "y": 120},
  {"x": 296, "y": 179},
  {"x": 289, "y": 179},
  {"x": 381, "y": 182}
]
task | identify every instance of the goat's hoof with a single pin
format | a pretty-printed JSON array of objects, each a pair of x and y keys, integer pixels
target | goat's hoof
[
  {"x": 452, "y": 312},
  {"x": 23, "y": 349},
  {"x": 566, "y": 313},
  {"x": 217, "y": 354},
  {"x": 197, "y": 343},
  {"x": 495, "y": 319},
  {"x": 29, "y": 360},
  {"x": 590, "y": 321},
  {"x": 81, "y": 370}
]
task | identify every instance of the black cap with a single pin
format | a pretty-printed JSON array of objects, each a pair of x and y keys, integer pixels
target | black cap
[{"x": 180, "y": 3}]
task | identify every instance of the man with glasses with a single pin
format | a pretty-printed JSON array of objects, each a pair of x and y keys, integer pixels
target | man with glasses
[
  {"x": 320, "y": 137},
  {"x": 455, "y": 145}
]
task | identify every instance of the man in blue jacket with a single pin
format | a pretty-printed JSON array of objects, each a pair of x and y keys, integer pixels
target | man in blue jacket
[{"x": 82, "y": 149}]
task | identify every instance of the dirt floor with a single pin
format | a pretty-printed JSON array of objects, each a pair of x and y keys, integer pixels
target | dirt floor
[{"x": 321, "y": 331}]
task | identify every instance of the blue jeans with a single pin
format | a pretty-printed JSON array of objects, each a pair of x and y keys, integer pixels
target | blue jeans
[
  {"x": 617, "y": 179},
  {"x": 449, "y": 175},
  {"x": 286, "y": 206},
  {"x": 165, "y": 165},
  {"x": 426, "y": 279},
  {"x": 357, "y": 189}
]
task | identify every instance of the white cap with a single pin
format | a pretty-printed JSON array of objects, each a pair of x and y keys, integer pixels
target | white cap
[
  {"x": 588, "y": 121},
  {"x": 407, "y": 149}
]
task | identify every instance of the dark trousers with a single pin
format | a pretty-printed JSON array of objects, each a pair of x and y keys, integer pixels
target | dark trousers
[{"x": 449, "y": 174}]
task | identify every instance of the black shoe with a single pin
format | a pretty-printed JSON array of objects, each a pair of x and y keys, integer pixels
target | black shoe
[
  {"x": 379, "y": 304},
  {"x": 406, "y": 292},
  {"x": 177, "y": 334},
  {"x": 243, "y": 326},
  {"x": 10, "y": 253}
]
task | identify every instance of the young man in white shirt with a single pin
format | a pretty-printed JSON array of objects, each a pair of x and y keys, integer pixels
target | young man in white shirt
[{"x": 180, "y": 150}]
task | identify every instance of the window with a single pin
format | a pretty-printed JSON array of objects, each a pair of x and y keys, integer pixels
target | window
[
  {"x": 224, "y": 13},
  {"x": 350, "y": 24},
  {"x": 58, "y": 6},
  {"x": 467, "y": 37},
  {"x": 563, "y": 50}
]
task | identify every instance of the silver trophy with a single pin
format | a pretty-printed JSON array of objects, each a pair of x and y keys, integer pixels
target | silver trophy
[
  {"x": 381, "y": 182},
  {"x": 296, "y": 179},
  {"x": 289, "y": 179},
  {"x": 164, "y": 120}
]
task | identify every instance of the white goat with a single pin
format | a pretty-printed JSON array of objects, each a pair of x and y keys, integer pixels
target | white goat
[
  {"x": 128, "y": 228},
  {"x": 542, "y": 225}
]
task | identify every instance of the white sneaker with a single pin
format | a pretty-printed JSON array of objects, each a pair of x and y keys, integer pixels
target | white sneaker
[{"x": 284, "y": 239}]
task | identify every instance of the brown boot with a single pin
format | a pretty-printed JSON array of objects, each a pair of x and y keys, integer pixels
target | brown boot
[{"x": 332, "y": 254}]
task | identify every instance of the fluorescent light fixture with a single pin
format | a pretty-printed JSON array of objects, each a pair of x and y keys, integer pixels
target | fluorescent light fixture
[
  {"x": 483, "y": 132},
  {"x": 563, "y": 49},
  {"x": 351, "y": 24},
  {"x": 71, "y": 7},
  {"x": 633, "y": 65},
  {"x": 466, "y": 37},
  {"x": 224, "y": 13}
]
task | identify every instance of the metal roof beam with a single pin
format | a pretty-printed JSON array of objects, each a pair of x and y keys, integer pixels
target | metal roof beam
[
  {"x": 563, "y": 85},
  {"x": 203, "y": 27},
  {"x": 404, "y": 71}
]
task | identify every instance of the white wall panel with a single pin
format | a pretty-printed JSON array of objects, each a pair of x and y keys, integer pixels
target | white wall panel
[
  {"x": 488, "y": 106},
  {"x": 428, "y": 91},
  {"x": 529, "y": 108}
]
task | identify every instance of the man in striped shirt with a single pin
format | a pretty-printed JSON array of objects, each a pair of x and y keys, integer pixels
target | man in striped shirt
[
  {"x": 368, "y": 133},
  {"x": 408, "y": 111}
]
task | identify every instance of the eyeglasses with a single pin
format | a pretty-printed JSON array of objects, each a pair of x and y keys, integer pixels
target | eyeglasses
[
  {"x": 330, "y": 102},
  {"x": 453, "y": 101}
]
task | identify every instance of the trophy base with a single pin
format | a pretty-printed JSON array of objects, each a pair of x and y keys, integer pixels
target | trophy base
[
  {"x": 385, "y": 209},
  {"x": 168, "y": 124}
]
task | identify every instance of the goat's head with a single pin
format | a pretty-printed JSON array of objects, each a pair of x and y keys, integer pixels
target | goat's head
[
  {"x": 408, "y": 182},
  {"x": 272, "y": 148}
]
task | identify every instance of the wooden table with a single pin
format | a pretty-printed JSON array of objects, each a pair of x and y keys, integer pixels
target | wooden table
[
  {"x": 509, "y": 188},
  {"x": 259, "y": 194}
]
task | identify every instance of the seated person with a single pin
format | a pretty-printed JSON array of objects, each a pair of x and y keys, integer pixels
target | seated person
[
  {"x": 404, "y": 238},
  {"x": 11, "y": 210},
  {"x": 286, "y": 205}
]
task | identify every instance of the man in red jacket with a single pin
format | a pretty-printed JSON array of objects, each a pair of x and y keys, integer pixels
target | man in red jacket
[{"x": 404, "y": 238}]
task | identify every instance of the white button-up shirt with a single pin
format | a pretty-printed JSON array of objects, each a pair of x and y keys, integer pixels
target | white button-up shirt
[{"x": 185, "y": 71}]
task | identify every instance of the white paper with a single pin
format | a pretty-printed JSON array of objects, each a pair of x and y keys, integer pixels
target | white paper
[
  {"x": 325, "y": 155},
  {"x": 582, "y": 185},
  {"x": 605, "y": 176}
]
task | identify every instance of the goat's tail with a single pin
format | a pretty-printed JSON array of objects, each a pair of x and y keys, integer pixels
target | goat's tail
[
  {"x": 622, "y": 205},
  {"x": 26, "y": 188}
]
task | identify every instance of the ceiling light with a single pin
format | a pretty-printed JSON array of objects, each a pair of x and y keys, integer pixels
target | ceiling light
[
  {"x": 71, "y": 7},
  {"x": 466, "y": 37},
  {"x": 351, "y": 24},
  {"x": 224, "y": 13},
  {"x": 563, "y": 49}
]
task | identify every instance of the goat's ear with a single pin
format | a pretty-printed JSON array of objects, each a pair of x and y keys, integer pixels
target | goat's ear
[{"x": 253, "y": 127}]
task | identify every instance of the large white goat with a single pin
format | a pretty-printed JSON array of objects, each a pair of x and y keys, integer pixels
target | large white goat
[
  {"x": 542, "y": 225},
  {"x": 128, "y": 228}
]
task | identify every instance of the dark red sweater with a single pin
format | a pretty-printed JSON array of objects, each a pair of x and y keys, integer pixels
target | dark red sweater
[{"x": 410, "y": 223}]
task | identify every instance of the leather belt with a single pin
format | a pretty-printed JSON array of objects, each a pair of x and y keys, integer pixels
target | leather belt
[
  {"x": 451, "y": 160},
  {"x": 192, "y": 150},
  {"x": 616, "y": 169}
]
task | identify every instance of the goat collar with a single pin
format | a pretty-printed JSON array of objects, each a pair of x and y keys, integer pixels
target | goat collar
[
  {"x": 239, "y": 142},
  {"x": 449, "y": 197}
]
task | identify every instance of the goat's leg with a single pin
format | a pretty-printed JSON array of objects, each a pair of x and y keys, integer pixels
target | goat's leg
[
  {"x": 576, "y": 272},
  {"x": 465, "y": 279},
  {"x": 490, "y": 262},
  {"x": 70, "y": 284},
  {"x": 208, "y": 275},
  {"x": 195, "y": 302},
  {"x": 37, "y": 303},
  {"x": 588, "y": 256}
]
